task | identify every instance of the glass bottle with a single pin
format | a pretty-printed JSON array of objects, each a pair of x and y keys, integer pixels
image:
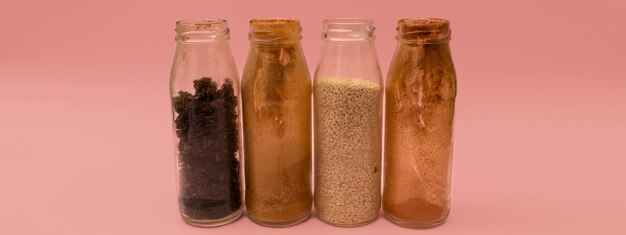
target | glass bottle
[
  {"x": 348, "y": 91},
  {"x": 421, "y": 90},
  {"x": 276, "y": 94},
  {"x": 204, "y": 89}
]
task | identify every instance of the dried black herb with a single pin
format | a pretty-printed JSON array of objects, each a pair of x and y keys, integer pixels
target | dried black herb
[{"x": 206, "y": 126}]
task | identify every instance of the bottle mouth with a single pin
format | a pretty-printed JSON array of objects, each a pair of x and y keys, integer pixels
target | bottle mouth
[
  {"x": 199, "y": 30},
  {"x": 424, "y": 30},
  {"x": 348, "y": 29},
  {"x": 275, "y": 30}
]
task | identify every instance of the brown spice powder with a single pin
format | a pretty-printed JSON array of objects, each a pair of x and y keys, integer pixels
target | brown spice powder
[
  {"x": 421, "y": 91},
  {"x": 276, "y": 95}
]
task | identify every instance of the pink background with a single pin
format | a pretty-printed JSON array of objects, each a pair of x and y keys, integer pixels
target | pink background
[{"x": 85, "y": 124}]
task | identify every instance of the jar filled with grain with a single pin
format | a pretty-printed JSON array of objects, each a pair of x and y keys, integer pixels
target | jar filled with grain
[
  {"x": 276, "y": 94},
  {"x": 420, "y": 96},
  {"x": 204, "y": 88},
  {"x": 347, "y": 109}
]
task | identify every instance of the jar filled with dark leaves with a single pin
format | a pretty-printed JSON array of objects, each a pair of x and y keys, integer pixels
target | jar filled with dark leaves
[
  {"x": 276, "y": 93},
  {"x": 204, "y": 89}
]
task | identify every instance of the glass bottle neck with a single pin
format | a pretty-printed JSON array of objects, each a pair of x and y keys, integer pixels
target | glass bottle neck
[
  {"x": 348, "y": 30},
  {"x": 201, "y": 31},
  {"x": 350, "y": 60},
  {"x": 275, "y": 31},
  {"x": 204, "y": 59},
  {"x": 423, "y": 31},
  {"x": 348, "y": 49},
  {"x": 413, "y": 43},
  {"x": 411, "y": 53},
  {"x": 210, "y": 50},
  {"x": 348, "y": 45},
  {"x": 416, "y": 51}
]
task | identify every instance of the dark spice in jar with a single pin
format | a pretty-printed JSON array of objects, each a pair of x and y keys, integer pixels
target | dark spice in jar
[{"x": 206, "y": 126}]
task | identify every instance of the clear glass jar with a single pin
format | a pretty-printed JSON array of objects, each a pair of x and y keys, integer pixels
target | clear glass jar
[
  {"x": 420, "y": 96},
  {"x": 276, "y": 94},
  {"x": 348, "y": 91},
  {"x": 204, "y": 88}
]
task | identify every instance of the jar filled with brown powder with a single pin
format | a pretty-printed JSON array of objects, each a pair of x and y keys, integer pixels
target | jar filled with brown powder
[
  {"x": 276, "y": 94},
  {"x": 420, "y": 96}
]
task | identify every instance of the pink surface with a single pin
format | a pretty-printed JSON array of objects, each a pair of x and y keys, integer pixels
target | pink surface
[{"x": 85, "y": 129}]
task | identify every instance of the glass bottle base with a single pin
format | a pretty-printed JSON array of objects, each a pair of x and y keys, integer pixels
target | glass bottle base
[
  {"x": 349, "y": 225},
  {"x": 281, "y": 224},
  {"x": 213, "y": 223},
  {"x": 414, "y": 224}
]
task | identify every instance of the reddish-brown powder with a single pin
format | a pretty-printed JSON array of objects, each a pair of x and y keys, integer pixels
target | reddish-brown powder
[{"x": 421, "y": 91}]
